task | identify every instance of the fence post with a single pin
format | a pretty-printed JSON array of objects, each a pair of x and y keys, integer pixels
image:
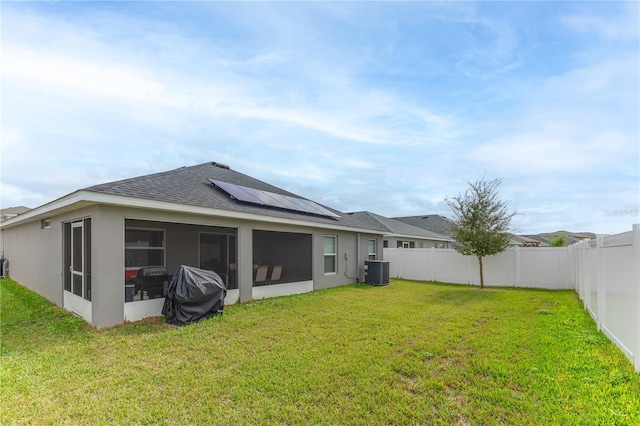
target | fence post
[
  {"x": 574, "y": 262},
  {"x": 636, "y": 250},
  {"x": 584, "y": 277},
  {"x": 516, "y": 257},
  {"x": 587, "y": 273},
  {"x": 431, "y": 262},
  {"x": 581, "y": 273},
  {"x": 600, "y": 283}
]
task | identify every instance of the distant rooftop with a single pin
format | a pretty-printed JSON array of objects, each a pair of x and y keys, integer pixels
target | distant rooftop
[
  {"x": 433, "y": 223},
  {"x": 397, "y": 227},
  {"x": 10, "y": 212}
]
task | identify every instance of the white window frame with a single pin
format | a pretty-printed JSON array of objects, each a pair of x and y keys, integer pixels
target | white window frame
[
  {"x": 372, "y": 254},
  {"x": 334, "y": 254}
]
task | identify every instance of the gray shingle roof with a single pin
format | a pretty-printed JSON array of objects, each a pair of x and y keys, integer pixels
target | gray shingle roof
[
  {"x": 396, "y": 227},
  {"x": 434, "y": 223},
  {"x": 190, "y": 186}
]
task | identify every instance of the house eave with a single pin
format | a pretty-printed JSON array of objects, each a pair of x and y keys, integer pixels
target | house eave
[
  {"x": 70, "y": 202},
  {"x": 84, "y": 198}
]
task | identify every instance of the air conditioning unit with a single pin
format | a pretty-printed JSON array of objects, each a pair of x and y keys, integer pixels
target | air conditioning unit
[{"x": 376, "y": 272}]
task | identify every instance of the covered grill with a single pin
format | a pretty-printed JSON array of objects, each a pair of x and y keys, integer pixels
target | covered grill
[{"x": 193, "y": 295}]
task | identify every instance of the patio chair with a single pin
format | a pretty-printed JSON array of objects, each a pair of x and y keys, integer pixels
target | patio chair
[
  {"x": 275, "y": 274},
  {"x": 261, "y": 275}
]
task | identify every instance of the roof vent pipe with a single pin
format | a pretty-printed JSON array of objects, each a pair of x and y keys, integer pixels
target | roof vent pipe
[{"x": 222, "y": 166}]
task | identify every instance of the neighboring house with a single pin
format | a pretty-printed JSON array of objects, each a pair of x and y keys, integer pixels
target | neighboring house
[
  {"x": 571, "y": 236},
  {"x": 402, "y": 235},
  {"x": 107, "y": 251},
  {"x": 10, "y": 212},
  {"x": 440, "y": 225},
  {"x": 524, "y": 241},
  {"x": 433, "y": 223}
]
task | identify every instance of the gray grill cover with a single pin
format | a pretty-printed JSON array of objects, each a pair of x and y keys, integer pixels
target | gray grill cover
[{"x": 193, "y": 295}]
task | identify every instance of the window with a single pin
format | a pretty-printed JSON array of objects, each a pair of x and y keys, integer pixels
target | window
[
  {"x": 372, "y": 248},
  {"x": 385, "y": 243},
  {"x": 420, "y": 245},
  {"x": 330, "y": 254},
  {"x": 143, "y": 247},
  {"x": 406, "y": 244}
]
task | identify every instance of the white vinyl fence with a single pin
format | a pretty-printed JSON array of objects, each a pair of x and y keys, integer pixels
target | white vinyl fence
[
  {"x": 605, "y": 272},
  {"x": 607, "y": 275},
  {"x": 536, "y": 267}
]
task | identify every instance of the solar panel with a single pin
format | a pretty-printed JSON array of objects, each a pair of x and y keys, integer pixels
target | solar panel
[
  {"x": 271, "y": 199},
  {"x": 317, "y": 208},
  {"x": 265, "y": 198},
  {"x": 235, "y": 191}
]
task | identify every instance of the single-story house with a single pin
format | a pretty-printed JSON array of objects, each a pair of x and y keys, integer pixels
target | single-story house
[
  {"x": 107, "y": 252},
  {"x": 402, "y": 235},
  {"x": 431, "y": 222}
]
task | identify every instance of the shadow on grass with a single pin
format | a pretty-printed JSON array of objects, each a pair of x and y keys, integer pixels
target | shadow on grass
[
  {"x": 362, "y": 286},
  {"x": 29, "y": 321},
  {"x": 459, "y": 294},
  {"x": 146, "y": 326}
]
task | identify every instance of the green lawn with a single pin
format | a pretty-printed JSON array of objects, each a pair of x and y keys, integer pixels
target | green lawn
[{"x": 407, "y": 353}]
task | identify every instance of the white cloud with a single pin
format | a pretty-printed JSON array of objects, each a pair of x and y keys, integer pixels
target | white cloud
[
  {"x": 72, "y": 74},
  {"x": 549, "y": 151},
  {"x": 618, "y": 27}
]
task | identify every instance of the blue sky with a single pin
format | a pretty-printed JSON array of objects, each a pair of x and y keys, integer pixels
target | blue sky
[{"x": 386, "y": 107}]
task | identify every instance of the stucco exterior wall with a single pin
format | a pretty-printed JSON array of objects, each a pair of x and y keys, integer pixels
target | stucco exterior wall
[
  {"x": 107, "y": 245},
  {"x": 35, "y": 254}
]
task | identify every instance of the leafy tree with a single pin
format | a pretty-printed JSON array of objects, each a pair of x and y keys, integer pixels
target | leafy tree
[
  {"x": 481, "y": 221},
  {"x": 559, "y": 240}
]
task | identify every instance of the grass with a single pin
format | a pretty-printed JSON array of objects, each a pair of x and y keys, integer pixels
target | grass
[{"x": 408, "y": 353}]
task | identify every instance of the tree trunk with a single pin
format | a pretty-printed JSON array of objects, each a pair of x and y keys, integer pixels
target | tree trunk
[{"x": 481, "y": 273}]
